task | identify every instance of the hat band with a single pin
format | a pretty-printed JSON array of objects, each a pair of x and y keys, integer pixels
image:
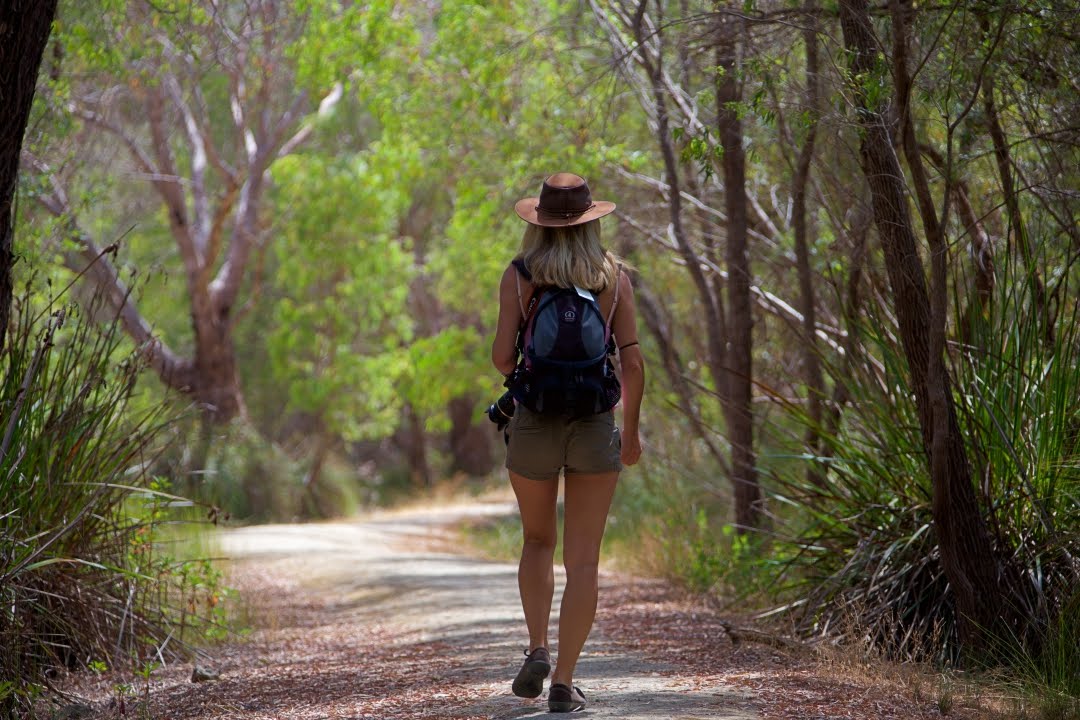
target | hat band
[{"x": 570, "y": 214}]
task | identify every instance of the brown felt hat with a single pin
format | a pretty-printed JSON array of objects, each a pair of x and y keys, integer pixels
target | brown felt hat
[{"x": 564, "y": 200}]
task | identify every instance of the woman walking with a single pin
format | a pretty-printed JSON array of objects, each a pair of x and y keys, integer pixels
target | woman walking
[{"x": 563, "y": 294}]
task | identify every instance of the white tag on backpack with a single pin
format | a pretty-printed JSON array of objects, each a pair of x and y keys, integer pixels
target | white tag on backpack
[{"x": 584, "y": 293}]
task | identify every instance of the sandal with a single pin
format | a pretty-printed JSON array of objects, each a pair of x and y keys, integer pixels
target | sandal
[
  {"x": 565, "y": 699},
  {"x": 529, "y": 682}
]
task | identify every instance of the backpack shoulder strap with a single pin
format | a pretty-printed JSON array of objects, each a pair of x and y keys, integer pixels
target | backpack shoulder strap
[
  {"x": 519, "y": 265},
  {"x": 527, "y": 311},
  {"x": 614, "y": 302}
]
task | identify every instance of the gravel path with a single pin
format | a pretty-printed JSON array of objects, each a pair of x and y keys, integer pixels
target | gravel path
[
  {"x": 387, "y": 572},
  {"x": 382, "y": 618}
]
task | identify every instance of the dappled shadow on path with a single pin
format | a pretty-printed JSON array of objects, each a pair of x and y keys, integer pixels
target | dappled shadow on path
[{"x": 352, "y": 624}]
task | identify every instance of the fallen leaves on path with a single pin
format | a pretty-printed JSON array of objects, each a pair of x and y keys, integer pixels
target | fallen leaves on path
[
  {"x": 652, "y": 618},
  {"x": 304, "y": 661},
  {"x": 311, "y": 657}
]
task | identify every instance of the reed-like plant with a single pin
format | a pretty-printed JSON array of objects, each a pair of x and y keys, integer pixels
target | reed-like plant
[
  {"x": 860, "y": 546},
  {"x": 864, "y": 550},
  {"x": 82, "y": 579}
]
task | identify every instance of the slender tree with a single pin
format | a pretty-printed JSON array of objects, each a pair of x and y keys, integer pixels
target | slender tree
[
  {"x": 209, "y": 169},
  {"x": 967, "y": 553},
  {"x": 738, "y": 366},
  {"x": 672, "y": 114},
  {"x": 802, "y": 226},
  {"x": 24, "y": 32}
]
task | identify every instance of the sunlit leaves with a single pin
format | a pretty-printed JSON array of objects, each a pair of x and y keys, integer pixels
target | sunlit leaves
[
  {"x": 339, "y": 40},
  {"x": 340, "y": 340},
  {"x": 442, "y": 367}
]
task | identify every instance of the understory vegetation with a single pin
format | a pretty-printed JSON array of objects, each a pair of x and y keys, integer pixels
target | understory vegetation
[{"x": 94, "y": 572}]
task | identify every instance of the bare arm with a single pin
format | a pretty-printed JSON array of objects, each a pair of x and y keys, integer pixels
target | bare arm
[
  {"x": 632, "y": 366},
  {"x": 503, "y": 349}
]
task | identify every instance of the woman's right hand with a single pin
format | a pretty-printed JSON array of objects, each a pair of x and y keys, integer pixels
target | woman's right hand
[{"x": 631, "y": 448}]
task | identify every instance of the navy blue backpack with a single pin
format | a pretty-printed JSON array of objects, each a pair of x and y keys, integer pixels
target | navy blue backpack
[{"x": 565, "y": 346}]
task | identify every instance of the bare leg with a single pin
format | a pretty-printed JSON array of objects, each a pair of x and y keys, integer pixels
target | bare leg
[
  {"x": 588, "y": 498},
  {"x": 536, "y": 577}
]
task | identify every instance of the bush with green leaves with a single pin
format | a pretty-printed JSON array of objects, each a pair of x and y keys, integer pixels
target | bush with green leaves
[{"x": 84, "y": 578}]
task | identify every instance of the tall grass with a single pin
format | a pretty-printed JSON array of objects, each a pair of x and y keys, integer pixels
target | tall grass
[
  {"x": 863, "y": 545},
  {"x": 82, "y": 579},
  {"x": 1020, "y": 391}
]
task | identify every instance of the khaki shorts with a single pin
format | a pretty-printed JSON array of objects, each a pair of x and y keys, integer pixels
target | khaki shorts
[{"x": 541, "y": 445}]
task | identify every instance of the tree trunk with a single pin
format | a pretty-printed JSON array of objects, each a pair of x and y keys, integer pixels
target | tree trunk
[
  {"x": 815, "y": 385},
  {"x": 967, "y": 555},
  {"x": 738, "y": 365},
  {"x": 413, "y": 441},
  {"x": 199, "y": 460},
  {"x": 470, "y": 442},
  {"x": 215, "y": 384},
  {"x": 24, "y": 32},
  {"x": 312, "y": 502}
]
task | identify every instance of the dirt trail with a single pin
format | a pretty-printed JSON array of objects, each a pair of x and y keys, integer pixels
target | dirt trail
[
  {"x": 381, "y": 618},
  {"x": 453, "y": 623}
]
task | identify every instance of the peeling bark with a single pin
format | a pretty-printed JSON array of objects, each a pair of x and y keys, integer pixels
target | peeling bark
[{"x": 212, "y": 194}]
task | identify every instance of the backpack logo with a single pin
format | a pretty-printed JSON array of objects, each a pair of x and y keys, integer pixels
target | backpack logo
[{"x": 569, "y": 316}]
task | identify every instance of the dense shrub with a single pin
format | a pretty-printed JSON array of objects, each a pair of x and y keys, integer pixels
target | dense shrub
[
  {"x": 83, "y": 578},
  {"x": 863, "y": 544}
]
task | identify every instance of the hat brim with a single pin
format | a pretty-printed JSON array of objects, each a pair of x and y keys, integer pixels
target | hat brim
[{"x": 526, "y": 210}]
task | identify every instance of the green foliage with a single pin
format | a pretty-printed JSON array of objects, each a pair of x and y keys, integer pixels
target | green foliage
[
  {"x": 693, "y": 552},
  {"x": 864, "y": 542},
  {"x": 249, "y": 478},
  {"x": 1019, "y": 400},
  {"x": 861, "y": 550},
  {"x": 341, "y": 343},
  {"x": 339, "y": 40},
  {"x": 702, "y": 150},
  {"x": 685, "y": 538},
  {"x": 389, "y": 230},
  {"x": 442, "y": 367},
  {"x": 83, "y": 573}
]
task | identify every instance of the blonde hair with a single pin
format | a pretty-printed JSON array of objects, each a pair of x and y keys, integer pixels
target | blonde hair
[{"x": 568, "y": 256}]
